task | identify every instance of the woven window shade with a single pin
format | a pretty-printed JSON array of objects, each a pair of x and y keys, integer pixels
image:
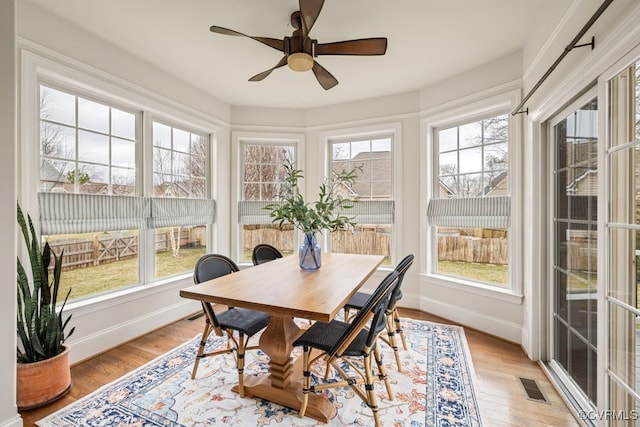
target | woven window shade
[
  {"x": 372, "y": 212},
  {"x": 364, "y": 212},
  {"x": 253, "y": 212},
  {"x": 181, "y": 212},
  {"x": 471, "y": 212},
  {"x": 70, "y": 213}
]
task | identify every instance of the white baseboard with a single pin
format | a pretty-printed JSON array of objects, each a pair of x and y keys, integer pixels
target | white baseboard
[
  {"x": 15, "y": 421},
  {"x": 119, "y": 333},
  {"x": 481, "y": 321}
]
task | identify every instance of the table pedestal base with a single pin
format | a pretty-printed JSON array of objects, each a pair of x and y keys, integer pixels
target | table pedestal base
[
  {"x": 319, "y": 408},
  {"x": 283, "y": 385}
]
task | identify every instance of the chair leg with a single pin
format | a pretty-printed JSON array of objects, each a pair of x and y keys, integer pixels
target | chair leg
[
  {"x": 393, "y": 342},
  {"x": 306, "y": 380},
  {"x": 240, "y": 363},
  {"x": 399, "y": 331},
  {"x": 370, "y": 389},
  {"x": 383, "y": 372},
  {"x": 203, "y": 342}
]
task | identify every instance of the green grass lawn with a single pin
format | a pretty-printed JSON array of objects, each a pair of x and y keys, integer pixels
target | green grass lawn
[
  {"x": 489, "y": 273},
  {"x": 114, "y": 275}
]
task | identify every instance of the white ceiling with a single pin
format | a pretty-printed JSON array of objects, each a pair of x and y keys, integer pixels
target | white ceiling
[{"x": 428, "y": 41}]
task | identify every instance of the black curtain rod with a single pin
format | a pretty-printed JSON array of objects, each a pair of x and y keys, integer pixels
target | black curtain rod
[{"x": 566, "y": 50}]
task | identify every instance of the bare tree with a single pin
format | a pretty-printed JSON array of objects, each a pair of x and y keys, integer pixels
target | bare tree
[
  {"x": 51, "y": 144},
  {"x": 263, "y": 170},
  {"x": 198, "y": 166}
]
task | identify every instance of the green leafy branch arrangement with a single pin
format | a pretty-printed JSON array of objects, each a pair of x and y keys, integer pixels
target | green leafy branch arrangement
[{"x": 323, "y": 214}]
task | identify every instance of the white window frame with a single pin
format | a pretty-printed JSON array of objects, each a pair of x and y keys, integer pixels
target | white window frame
[
  {"x": 392, "y": 130},
  {"x": 590, "y": 93},
  {"x": 240, "y": 138},
  {"x": 42, "y": 66},
  {"x": 482, "y": 105}
]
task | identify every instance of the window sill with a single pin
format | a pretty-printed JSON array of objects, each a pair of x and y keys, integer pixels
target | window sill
[
  {"x": 475, "y": 288},
  {"x": 129, "y": 293}
]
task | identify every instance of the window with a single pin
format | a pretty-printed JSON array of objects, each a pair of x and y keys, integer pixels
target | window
[
  {"x": 87, "y": 147},
  {"x": 373, "y": 188},
  {"x": 573, "y": 349},
  {"x": 93, "y": 206},
  {"x": 261, "y": 172},
  {"x": 179, "y": 171},
  {"x": 470, "y": 206}
]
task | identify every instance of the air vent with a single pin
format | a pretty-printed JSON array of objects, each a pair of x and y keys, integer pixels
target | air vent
[{"x": 532, "y": 390}]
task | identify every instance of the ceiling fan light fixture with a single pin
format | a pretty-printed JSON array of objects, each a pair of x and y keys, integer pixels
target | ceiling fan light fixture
[{"x": 300, "y": 61}]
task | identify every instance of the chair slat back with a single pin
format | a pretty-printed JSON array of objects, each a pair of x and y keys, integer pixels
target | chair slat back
[
  {"x": 208, "y": 267},
  {"x": 373, "y": 308}
]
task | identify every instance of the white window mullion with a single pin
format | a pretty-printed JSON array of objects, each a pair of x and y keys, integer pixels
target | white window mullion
[{"x": 144, "y": 166}]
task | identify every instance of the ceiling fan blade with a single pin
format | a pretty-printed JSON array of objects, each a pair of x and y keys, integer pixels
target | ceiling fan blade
[
  {"x": 262, "y": 75},
  {"x": 325, "y": 78},
  {"x": 309, "y": 11},
  {"x": 370, "y": 46},
  {"x": 277, "y": 44}
]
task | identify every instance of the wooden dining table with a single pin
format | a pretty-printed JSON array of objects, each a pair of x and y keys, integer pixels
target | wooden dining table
[{"x": 285, "y": 291}]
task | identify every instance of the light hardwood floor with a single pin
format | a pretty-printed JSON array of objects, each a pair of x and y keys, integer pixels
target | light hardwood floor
[{"x": 497, "y": 363}]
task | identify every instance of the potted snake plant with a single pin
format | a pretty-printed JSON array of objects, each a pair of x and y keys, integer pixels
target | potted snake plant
[{"x": 43, "y": 370}]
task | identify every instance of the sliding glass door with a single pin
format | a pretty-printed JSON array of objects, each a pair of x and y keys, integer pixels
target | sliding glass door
[
  {"x": 574, "y": 314},
  {"x": 576, "y": 284},
  {"x": 623, "y": 251}
]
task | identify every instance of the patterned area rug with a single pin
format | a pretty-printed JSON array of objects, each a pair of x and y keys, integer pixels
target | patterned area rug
[{"x": 435, "y": 389}]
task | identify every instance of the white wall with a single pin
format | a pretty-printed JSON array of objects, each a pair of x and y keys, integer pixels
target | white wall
[
  {"x": 545, "y": 46},
  {"x": 8, "y": 411}
]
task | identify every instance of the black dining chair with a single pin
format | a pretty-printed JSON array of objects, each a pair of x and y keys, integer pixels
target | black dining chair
[
  {"x": 341, "y": 341},
  {"x": 393, "y": 318},
  {"x": 264, "y": 253},
  {"x": 241, "y": 320}
]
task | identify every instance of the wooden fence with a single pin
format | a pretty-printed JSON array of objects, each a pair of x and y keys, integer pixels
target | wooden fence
[
  {"x": 473, "y": 249},
  {"x": 80, "y": 253},
  {"x": 582, "y": 250},
  {"x": 482, "y": 246},
  {"x": 271, "y": 234},
  {"x": 363, "y": 240}
]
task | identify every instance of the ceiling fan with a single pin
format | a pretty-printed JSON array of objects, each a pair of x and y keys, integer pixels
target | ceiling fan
[{"x": 300, "y": 50}]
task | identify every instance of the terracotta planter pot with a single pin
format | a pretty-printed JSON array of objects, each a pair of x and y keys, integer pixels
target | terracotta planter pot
[{"x": 40, "y": 383}]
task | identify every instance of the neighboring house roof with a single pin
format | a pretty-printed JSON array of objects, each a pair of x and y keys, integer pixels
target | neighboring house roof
[
  {"x": 445, "y": 190},
  {"x": 379, "y": 184},
  {"x": 499, "y": 186},
  {"x": 49, "y": 173}
]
